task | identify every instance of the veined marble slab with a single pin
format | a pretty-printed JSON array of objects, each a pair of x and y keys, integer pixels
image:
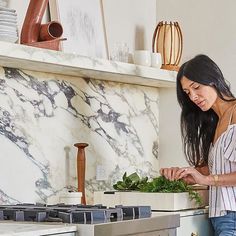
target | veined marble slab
[
  {"x": 35, "y": 229},
  {"x": 37, "y": 59},
  {"x": 42, "y": 115}
]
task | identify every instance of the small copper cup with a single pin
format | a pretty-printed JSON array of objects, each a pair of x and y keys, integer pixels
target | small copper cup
[{"x": 50, "y": 30}]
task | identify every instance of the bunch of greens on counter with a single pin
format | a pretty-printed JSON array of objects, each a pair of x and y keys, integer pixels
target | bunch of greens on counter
[{"x": 158, "y": 185}]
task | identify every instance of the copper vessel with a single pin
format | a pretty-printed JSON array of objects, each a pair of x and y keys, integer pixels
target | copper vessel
[
  {"x": 81, "y": 166},
  {"x": 34, "y": 33},
  {"x": 32, "y": 23}
]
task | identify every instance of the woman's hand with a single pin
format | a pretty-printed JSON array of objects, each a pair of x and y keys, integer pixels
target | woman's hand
[
  {"x": 173, "y": 173},
  {"x": 169, "y": 173},
  {"x": 191, "y": 176}
]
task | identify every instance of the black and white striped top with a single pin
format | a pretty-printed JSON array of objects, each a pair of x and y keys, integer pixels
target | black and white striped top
[{"x": 222, "y": 160}]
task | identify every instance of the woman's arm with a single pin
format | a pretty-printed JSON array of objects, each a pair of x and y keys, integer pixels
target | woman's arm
[
  {"x": 210, "y": 180},
  {"x": 172, "y": 173},
  {"x": 222, "y": 180}
]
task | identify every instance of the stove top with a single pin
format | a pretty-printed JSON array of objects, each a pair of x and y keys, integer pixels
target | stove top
[
  {"x": 93, "y": 220},
  {"x": 77, "y": 214}
]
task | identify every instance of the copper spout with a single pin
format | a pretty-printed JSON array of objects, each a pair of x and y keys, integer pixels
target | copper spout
[
  {"x": 81, "y": 169},
  {"x": 50, "y": 30}
]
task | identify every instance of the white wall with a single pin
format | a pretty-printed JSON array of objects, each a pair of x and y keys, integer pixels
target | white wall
[
  {"x": 171, "y": 153},
  {"x": 208, "y": 27},
  {"x": 130, "y": 21},
  {"x": 20, "y": 10}
]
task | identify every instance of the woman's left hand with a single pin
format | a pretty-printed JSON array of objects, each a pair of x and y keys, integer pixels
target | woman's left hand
[{"x": 185, "y": 172}]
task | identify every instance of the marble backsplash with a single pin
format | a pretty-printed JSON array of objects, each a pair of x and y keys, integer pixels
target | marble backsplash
[{"x": 42, "y": 115}]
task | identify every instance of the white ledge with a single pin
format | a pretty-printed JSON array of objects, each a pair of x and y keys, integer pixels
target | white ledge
[{"x": 38, "y": 59}]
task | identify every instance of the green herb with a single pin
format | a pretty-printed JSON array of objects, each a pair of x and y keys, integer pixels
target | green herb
[
  {"x": 131, "y": 182},
  {"x": 159, "y": 184}
]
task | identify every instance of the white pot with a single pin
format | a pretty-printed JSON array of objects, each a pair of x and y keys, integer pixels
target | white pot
[
  {"x": 142, "y": 57},
  {"x": 71, "y": 198},
  {"x": 157, "y": 201}
]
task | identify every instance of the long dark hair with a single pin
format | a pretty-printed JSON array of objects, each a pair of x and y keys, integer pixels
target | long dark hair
[{"x": 197, "y": 126}]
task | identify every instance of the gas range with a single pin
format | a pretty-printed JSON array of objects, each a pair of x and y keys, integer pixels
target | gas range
[
  {"x": 77, "y": 214},
  {"x": 94, "y": 220}
]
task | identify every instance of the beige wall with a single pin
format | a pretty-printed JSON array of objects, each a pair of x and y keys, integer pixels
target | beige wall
[{"x": 208, "y": 27}]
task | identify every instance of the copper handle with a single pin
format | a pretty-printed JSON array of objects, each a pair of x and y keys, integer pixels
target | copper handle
[{"x": 81, "y": 164}]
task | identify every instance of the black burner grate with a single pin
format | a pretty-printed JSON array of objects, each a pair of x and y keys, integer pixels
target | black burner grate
[{"x": 80, "y": 214}]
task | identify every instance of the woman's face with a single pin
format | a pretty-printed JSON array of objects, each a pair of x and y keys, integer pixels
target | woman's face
[{"x": 202, "y": 95}]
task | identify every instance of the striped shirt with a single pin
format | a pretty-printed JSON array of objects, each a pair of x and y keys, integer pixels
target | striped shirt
[{"x": 222, "y": 160}]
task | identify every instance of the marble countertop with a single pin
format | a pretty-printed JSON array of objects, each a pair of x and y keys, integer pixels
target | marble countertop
[
  {"x": 188, "y": 212},
  {"x": 57, "y": 62},
  {"x": 34, "y": 229}
]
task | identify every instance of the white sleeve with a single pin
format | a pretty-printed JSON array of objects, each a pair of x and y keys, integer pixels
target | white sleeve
[{"x": 230, "y": 144}]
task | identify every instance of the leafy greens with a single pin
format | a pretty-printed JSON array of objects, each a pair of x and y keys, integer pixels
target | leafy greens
[{"x": 159, "y": 184}]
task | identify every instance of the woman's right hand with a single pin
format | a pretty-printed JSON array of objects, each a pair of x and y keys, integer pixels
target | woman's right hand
[{"x": 170, "y": 173}]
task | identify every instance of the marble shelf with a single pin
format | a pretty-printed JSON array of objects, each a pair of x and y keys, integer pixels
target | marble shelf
[{"x": 37, "y": 59}]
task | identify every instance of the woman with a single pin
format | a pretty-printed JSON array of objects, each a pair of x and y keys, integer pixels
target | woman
[{"x": 208, "y": 128}]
